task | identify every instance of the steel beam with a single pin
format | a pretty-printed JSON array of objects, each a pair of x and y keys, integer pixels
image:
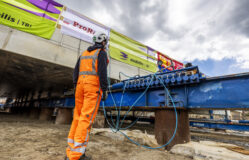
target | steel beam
[
  {"x": 215, "y": 125},
  {"x": 226, "y": 92}
]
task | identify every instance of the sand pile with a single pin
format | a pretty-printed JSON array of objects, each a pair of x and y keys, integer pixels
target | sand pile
[{"x": 136, "y": 135}]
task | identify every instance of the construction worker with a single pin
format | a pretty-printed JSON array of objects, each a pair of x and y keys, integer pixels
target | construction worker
[{"x": 90, "y": 80}]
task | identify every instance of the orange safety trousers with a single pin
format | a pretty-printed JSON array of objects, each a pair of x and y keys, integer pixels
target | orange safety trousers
[{"x": 87, "y": 100}]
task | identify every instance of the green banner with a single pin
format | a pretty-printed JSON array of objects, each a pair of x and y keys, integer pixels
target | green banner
[
  {"x": 29, "y": 16},
  {"x": 129, "y": 51}
]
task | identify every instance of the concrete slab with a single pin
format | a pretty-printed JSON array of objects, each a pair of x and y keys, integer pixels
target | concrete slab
[{"x": 207, "y": 150}]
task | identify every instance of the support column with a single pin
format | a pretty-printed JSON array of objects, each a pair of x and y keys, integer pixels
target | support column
[
  {"x": 25, "y": 111},
  {"x": 165, "y": 126},
  {"x": 64, "y": 116},
  {"x": 34, "y": 112},
  {"x": 46, "y": 114}
]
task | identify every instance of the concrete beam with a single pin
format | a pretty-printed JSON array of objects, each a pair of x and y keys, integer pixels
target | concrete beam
[
  {"x": 61, "y": 49},
  {"x": 30, "y": 62}
]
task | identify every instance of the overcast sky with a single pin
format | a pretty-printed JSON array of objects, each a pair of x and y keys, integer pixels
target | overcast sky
[{"x": 213, "y": 34}]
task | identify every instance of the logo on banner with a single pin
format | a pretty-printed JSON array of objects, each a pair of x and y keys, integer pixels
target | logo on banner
[
  {"x": 124, "y": 56},
  {"x": 84, "y": 28}
]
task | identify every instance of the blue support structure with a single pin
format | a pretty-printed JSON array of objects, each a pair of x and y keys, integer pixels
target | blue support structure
[
  {"x": 185, "y": 89},
  {"x": 211, "y": 114},
  {"x": 225, "y": 92},
  {"x": 188, "y": 87},
  {"x": 219, "y": 125}
]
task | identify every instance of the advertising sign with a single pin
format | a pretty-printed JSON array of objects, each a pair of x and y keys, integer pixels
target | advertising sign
[
  {"x": 129, "y": 51},
  {"x": 32, "y": 16},
  {"x": 167, "y": 62},
  {"x": 79, "y": 26}
]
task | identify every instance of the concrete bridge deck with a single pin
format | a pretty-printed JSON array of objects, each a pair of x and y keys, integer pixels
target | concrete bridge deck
[{"x": 32, "y": 64}]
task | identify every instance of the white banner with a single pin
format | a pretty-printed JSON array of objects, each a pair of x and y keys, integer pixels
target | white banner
[{"x": 79, "y": 26}]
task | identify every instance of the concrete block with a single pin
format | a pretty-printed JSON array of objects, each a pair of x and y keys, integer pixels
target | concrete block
[
  {"x": 34, "y": 113},
  {"x": 165, "y": 126},
  {"x": 25, "y": 111},
  {"x": 46, "y": 114},
  {"x": 208, "y": 150},
  {"x": 236, "y": 115},
  {"x": 99, "y": 121},
  {"x": 64, "y": 116}
]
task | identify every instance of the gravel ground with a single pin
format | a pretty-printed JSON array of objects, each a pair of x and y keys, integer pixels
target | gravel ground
[{"x": 23, "y": 138}]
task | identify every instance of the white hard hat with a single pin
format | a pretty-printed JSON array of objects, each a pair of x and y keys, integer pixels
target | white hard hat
[{"x": 99, "y": 37}]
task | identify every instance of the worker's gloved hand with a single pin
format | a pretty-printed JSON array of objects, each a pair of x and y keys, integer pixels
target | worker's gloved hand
[{"x": 104, "y": 96}]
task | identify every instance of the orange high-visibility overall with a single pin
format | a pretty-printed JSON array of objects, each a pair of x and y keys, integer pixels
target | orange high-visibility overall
[{"x": 87, "y": 100}]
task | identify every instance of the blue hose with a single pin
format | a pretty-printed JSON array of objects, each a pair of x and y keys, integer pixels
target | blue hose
[{"x": 117, "y": 127}]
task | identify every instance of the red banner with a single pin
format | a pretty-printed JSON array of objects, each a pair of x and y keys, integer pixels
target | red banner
[{"x": 177, "y": 65}]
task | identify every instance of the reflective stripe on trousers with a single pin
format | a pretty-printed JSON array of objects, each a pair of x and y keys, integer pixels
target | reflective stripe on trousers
[
  {"x": 76, "y": 144},
  {"x": 80, "y": 149}
]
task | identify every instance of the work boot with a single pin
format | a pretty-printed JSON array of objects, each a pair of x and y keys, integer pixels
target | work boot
[{"x": 84, "y": 157}]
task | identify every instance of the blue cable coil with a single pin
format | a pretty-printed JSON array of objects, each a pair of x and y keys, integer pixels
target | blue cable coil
[{"x": 130, "y": 83}]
